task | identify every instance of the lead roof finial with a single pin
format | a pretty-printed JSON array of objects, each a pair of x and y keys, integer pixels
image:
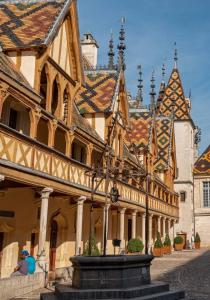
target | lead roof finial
[
  {"x": 152, "y": 92},
  {"x": 121, "y": 46},
  {"x": 111, "y": 53},
  {"x": 163, "y": 73},
  {"x": 139, "y": 97},
  {"x": 175, "y": 55}
]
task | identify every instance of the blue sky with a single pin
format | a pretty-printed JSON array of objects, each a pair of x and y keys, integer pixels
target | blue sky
[{"x": 152, "y": 27}]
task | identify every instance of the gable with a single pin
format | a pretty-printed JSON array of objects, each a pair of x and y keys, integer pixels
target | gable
[
  {"x": 174, "y": 99},
  {"x": 202, "y": 165}
]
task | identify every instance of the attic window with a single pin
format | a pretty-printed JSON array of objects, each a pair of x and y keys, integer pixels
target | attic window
[{"x": 183, "y": 196}]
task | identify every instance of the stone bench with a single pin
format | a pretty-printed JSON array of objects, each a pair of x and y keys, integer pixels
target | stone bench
[{"x": 20, "y": 285}]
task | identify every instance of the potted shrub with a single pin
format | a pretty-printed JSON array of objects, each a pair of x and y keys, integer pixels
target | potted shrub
[
  {"x": 178, "y": 243},
  {"x": 167, "y": 245},
  {"x": 197, "y": 241},
  {"x": 158, "y": 247},
  {"x": 135, "y": 246},
  {"x": 94, "y": 248}
]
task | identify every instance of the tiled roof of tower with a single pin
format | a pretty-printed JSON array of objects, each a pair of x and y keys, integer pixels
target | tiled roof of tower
[
  {"x": 98, "y": 92},
  {"x": 202, "y": 165},
  {"x": 174, "y": 95},
  {"x": 140, "y": 134},
  {"x": 164, "y": 126},
  {"x": 29, "y": 23}
]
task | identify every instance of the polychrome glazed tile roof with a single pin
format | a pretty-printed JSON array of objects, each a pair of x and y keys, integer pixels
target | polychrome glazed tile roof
[
  {"x": 140, "y": 134},
  {"x": 98, "y": 92},
  {"x": 174, "y": 98},
  {"x": 202, "y": 165},
  {"x": 86, "y": 64},
  {"x": 164, "y": 127},
  {"x": 25, "y": 24}
]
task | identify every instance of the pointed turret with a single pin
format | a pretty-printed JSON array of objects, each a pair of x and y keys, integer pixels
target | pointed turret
[
  {"x": 152, "y": 92},
  {"x": 139, "y": 96},
  {"x": 111, "y": 53},
  {"x": 121, "y": 47}
]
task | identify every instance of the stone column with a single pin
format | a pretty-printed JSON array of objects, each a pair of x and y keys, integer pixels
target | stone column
[
  {"x": 122, "y": 228},
  {"x": 150, "y": 242},
  {"x": 168, "y": 226},
  {"x": 158, "y": 225},
  {"x": 106, "y": 215},
  {"x": 45, "y": 193},
  {"x": 80, "y": 204},
  {"x": 134, "y": 224},
  {"x": 143, "y": 221},
  {"x": 164, "y": 226}
]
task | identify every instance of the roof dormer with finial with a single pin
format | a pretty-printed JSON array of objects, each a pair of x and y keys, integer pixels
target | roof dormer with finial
[{"x": 174, "y": 95}]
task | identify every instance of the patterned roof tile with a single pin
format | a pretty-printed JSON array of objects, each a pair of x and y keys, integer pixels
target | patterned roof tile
[
  {"x": 202, "y": 165},
  {"x": 27, "y": 24},
  {"x": 164, "y": 140},
  {"x": 174, "y": 96},
  {"x": 97, "y": 94}
]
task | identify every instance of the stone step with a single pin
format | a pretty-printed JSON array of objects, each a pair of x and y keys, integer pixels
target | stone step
[{"x": 67, "y": 293}]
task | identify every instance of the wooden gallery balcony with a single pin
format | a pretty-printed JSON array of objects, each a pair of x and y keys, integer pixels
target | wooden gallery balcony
[{"x": 25, "y": 160}]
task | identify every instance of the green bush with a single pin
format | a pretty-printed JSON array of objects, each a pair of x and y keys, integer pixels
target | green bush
[
  {"x": 135, "y": 245},
  {"x": 158, "y": 242},
  {"x": 178, "y": 240},
  {"x": 197, "y": 238},
  {"x": 94, "y": 248},
  {"x": 167, "y": 241}
]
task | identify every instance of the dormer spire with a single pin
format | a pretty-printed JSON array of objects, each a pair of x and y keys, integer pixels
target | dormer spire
[
  {"x": 121, "y": 47},
  {"x": 111, "y": 52},
  {"x": 139, "y": 97},
  {"x": 163, "y": 73},
  {"x": 152, "y": 92},
  {"x": 175, "y": 56}
]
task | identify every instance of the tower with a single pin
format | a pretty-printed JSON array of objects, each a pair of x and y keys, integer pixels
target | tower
[
  {"x": 185, "y": 130},
  {"x": 90, "y": 48}
]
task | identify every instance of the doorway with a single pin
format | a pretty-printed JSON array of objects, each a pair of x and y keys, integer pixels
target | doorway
[{"x": 53, "y": 244}]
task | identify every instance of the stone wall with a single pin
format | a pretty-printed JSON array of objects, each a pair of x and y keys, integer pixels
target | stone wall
[{"x": 20, "y": 285}]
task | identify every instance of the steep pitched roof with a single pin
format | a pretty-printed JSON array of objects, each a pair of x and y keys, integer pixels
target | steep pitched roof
[
  {"x": 141, "y": 129},
  {"x": 98, "y": 93},
  {"x": 164, "y": 127},
  {"x": 31, "y": 23},
  {"x": 202, "y": 165},
  {"x": 174, "y": 95}
]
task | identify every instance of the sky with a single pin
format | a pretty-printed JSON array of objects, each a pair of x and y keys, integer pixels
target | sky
[{"x": 152, "y": 27}]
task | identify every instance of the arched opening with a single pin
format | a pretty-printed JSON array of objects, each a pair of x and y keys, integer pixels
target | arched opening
[
  {"x": 60, "y": 140},
  {"x": 96, "y": 159},
  {"x": 42, "y": 131},
  {"x": 53, "y": 243},
  {"x": 43, "y": 86},
  {"x": 16, "y": 115},
  {"x": 79, "y": 152},
  {"x": 64, "y": 114},
  {"x": 55, "y": 93}
]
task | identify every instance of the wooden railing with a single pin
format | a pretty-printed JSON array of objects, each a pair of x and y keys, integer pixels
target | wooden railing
[{"x": 26, "y": 152}]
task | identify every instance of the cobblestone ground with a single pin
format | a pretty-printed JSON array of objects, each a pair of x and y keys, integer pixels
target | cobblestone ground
[{"x": 187, "y": 270}]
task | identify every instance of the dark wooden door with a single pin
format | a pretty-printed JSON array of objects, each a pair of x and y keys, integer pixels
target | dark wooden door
[
  {"x": 1, "y": 249},
  {"x": 53, "y": 244},
  {"x": 129, "y": 229}
]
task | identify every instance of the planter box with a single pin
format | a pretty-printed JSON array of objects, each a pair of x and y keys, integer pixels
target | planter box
[
  {"x": 178, "y": 247},
  {"x": 102, "y": 272},
  {"x": 197, "y": 245},
  {"x": 157, "y": 252}
]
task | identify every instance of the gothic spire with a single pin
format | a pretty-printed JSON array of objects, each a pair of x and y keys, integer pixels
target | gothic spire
[
  {"x": 152, "y": 92},
  {"x": 121, "y": 47},
  {"x": 175, "y": 56},
  {"x": 111, "y": 52},
  {"x": 139, "y": 97}
]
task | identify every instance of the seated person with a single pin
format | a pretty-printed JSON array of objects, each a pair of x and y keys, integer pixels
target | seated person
[
  {"x": 31, "y": 262},
  {"x": 22, "y": 266}
]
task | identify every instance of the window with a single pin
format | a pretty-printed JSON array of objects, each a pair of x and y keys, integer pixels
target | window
[
  {"x": 183, "y": 196},
  {"x": 206, "y": 194},
  {"x": 13, "y": 116},
  {"x": 79, "y": 152}
]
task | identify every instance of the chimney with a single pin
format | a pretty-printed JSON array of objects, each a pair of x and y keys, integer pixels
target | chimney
[{"x": 90, "y": 48}]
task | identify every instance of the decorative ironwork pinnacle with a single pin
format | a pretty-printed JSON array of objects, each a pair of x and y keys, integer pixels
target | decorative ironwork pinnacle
[
  {"x": 111, "y": 53},
  {"x": 121, "y": 46},
  {"x": 152, "y": 91},
  {"x": 175, "y": 55},
  {"x": 139, "y": 97}
]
